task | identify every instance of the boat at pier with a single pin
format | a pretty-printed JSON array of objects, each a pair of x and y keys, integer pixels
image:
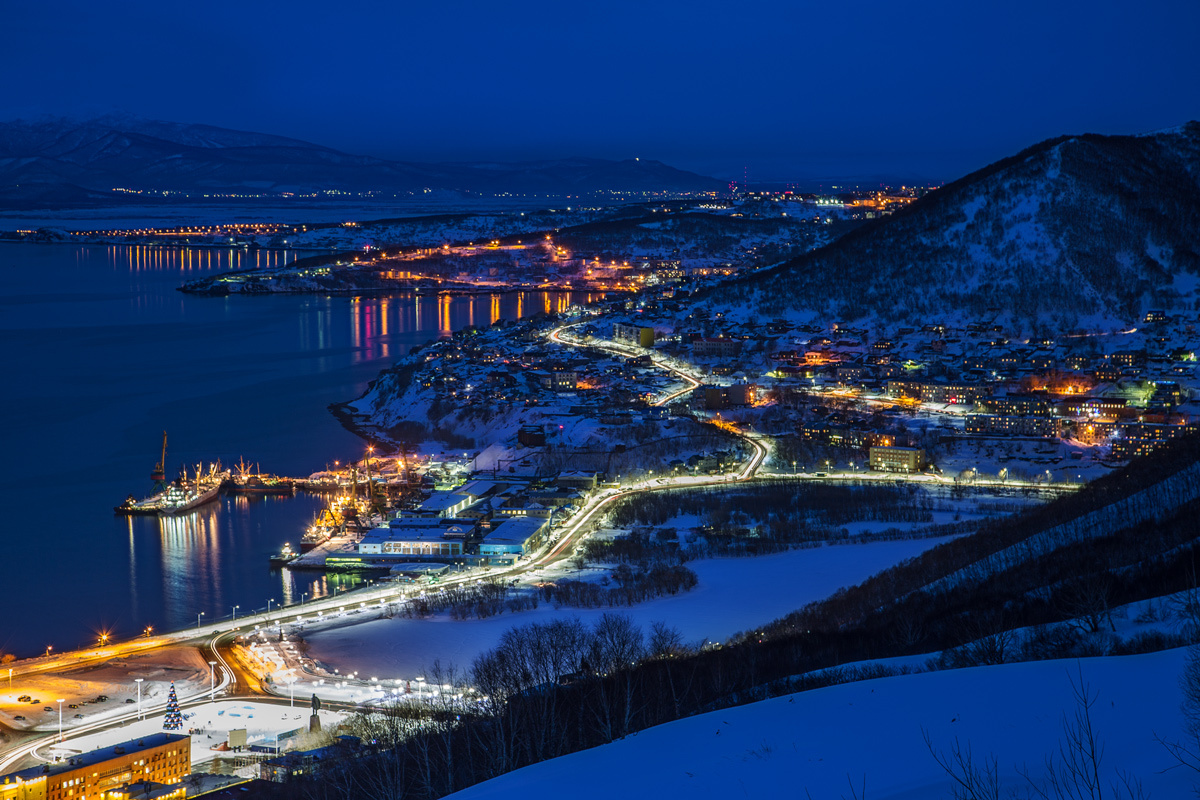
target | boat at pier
[
  {"x": 285, "y": 556},
  {"x": 179, "y": 497},
  {"x": 253, "y": 482}
]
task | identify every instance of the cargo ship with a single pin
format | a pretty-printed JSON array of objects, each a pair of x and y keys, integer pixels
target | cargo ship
[
  {"x": 178, "y": 497},
  {"x": 245, "y": 481}
]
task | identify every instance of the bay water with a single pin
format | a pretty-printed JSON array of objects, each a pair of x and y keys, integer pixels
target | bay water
[{"x": 101, "y": 354}]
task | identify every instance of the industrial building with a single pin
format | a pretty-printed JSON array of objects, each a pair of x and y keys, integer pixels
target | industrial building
[
  {"x": 514, "y": 536},
  {"x": 417, "y": 537}
]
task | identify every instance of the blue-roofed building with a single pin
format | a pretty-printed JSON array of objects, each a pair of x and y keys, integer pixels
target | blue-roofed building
[{"x": 516, "y": 536}]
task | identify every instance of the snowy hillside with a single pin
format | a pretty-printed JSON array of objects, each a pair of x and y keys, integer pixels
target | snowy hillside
[
  {"x": 1073, "y": 232},
  {"x": 816, "y": 744}
]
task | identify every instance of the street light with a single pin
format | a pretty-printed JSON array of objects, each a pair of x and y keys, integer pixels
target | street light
[
  {"x": 198, "y": 616},
  {"x": 60, "y": 736},
  {"x": 212, "y": 681},
  {"x": 303, "y": 597},
  {"x": 139, "y": 683},
  {"x": 235, "y": 608},
  {"x": 269, "y": 601}
]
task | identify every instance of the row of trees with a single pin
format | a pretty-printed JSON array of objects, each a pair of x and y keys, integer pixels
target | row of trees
[{"x": 818, "y": 505}]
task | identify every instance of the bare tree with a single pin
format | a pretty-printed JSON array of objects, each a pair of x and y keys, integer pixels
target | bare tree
[
  {"x": 1077, "y": 772},
  {"x": 665, "y": 641},
  {"x": 1087, "y": 602},
  {"x": 973, "y": 780}
]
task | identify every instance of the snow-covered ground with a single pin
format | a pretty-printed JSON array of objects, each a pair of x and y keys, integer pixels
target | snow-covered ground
[
  {"x": 733, "y": 594},
  {"x": 116, "y": 678},
  {"x": 816, "y": 744},
  {"x": 210, "y": 724}
]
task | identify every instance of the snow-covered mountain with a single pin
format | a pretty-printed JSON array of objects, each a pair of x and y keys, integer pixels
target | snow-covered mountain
[
  {"x": 63, "y": 158},
  {"x": 1073, "y": 230}
]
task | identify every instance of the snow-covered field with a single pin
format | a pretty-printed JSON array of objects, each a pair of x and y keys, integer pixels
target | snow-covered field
[
  {"x": 734, "y": 594},
  {"x": 815, "y": 744}
]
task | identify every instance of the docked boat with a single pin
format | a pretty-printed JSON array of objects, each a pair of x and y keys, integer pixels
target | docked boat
[
  {"x": 253, "y": 482},
  {"x": 179, "y": 497},
  {"x": 285, "y": 556}
]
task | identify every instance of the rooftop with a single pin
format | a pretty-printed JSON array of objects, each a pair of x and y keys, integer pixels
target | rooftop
[{"x": 99, "y": 756}]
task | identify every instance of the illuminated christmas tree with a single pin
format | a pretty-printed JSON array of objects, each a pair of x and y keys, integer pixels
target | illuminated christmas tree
[{"x": 173, "y": 721}]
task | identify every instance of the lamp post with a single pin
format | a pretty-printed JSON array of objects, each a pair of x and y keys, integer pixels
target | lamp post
[
  {"x": 60, "y": 736},
  {"x": 235, "y": 608},
  {"x": 139, "y": 684},
  {"x": 292, "y": 691},
  {"x": 212, "y": 681},
  {"x": 198, "y": 616},
  {"x": 10, "y": 679}
]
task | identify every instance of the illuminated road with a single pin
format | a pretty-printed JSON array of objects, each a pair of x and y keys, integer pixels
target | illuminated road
[{"x": 235, "y": 678}]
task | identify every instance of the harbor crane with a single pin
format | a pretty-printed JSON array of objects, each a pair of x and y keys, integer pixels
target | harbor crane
[{"x": 159, "y": 475}]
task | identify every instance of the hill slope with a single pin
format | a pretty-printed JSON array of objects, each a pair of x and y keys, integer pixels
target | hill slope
[
  {"x": 1079, "y": 227},
  {"x": 809, "y": 744},
  {"x": 61, "y": 157}
]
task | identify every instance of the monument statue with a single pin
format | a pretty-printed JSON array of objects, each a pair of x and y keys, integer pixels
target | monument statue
[{"x": 314, "y": 722}]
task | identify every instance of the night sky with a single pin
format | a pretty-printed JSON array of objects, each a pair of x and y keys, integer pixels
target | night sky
[{"x": 788, "y": 90}]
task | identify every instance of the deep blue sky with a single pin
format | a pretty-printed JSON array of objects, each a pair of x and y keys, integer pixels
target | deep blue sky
[{"x": 792, "y": 90}]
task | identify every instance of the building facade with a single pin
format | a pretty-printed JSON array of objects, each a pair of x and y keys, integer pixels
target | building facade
[
  {"x": 160, "y": 760},
  {"x": 897, "y": 459}
]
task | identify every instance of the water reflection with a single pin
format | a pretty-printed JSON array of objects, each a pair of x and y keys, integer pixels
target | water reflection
[
  {"x": 189, "y": 260},
  {"x": 104, "y": 369},
  {"x": 377, "y": 322}
]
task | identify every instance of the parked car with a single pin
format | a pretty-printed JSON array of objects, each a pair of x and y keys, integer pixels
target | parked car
[
  {"x": 47, "y": 708},
  {"x": 100, "y": 698},
  {"x": 79, "y": 716},
  {"x": 128, "y": 699},
  {"x": 19, "y": 716},
  {"x": 24, "y": 698},
  {"x": 73, "y": 705}
]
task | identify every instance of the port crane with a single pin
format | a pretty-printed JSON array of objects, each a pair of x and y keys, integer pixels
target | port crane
[{"x": 159, "y": 475}]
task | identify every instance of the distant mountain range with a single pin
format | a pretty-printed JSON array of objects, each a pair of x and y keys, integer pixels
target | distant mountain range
[
  {"x": 1074, "y": 230},
  {"x": 59, "y": 161}
]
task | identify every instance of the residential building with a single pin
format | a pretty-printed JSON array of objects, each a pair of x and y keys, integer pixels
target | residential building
[
  {"x": 633, "y": 334},
  {"x": 1142, "y": 438},
  {"x": 725, "y": 348},
  {"x": 897, "y": 459},
  {"x": 1009, "y": 425},
  {"x": 1036, "y": 404},
  {"x": 152, "y": 765}
]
